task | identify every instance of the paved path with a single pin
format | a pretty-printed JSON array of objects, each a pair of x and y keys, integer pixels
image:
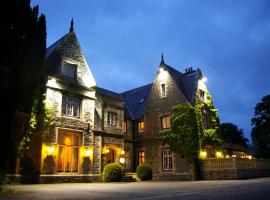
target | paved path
[{"x": 258, "y": 189}]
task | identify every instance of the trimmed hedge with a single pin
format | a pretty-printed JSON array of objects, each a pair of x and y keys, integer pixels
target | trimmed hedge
[
  {"x": 112, "y": 172},
  {"x": 144, "y": 172}
]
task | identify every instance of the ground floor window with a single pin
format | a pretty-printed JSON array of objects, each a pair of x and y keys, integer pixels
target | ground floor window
[
  {"x": 68, "y": 154},
  {"x": 167, "y": 163},
  {"x": 141, "y": 157}
]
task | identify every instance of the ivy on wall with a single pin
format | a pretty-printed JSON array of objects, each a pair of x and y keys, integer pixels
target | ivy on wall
[{"x": 210, "y": 136}]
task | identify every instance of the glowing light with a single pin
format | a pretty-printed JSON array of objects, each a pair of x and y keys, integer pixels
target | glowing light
[
  {"x": 203, "y": 154},
  {"x": 122, "y": 152},
  {"x": 204, "y": 79},
  {"x": 234, "y": 156},
  {"x": 219, "y": 154},
  {"x": 107, "y": 150},
  {"x": 50, "y": 150},
  {"x": 201, "y": 85},
  {"x": 88, "y": 152},
  {"x": 122, "y": 160},
  {"x": 227, "y": 156},
  {"x": 249, "y": 157},
  {"x": 161, "y": 70}
]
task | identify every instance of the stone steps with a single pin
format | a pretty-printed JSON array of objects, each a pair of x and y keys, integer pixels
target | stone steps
[{"x": 129, "y": 177}]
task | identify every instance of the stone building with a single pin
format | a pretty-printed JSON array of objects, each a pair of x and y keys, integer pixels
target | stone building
[{"x": 95, "y": 126}]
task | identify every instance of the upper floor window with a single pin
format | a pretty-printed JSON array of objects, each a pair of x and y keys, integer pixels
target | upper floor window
[
  {"x": 141, "y": 158},
  {"x": 111, "y": 119},
  {"x": 125, "y": 126},
  {"x": 163, "y": 90},
  {"x": 140, "y": 127},
  {"x": 205, "y": 119},
  {"x": 202, "y": 94},
  {"x": 70, "y": 106},
  {"x": 69, "y": 70},
  {"x": 167, "y": 162},
  {"x": 165, "y": 122}
]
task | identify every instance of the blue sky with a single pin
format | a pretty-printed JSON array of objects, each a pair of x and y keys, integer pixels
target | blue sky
[{"x": 123, "y": 41}]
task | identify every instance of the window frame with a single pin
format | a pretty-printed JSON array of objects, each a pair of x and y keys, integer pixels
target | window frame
[
  {"x": 168, "y": 124},
  {"x": 111, "y": 119},
  {"x": 71, "y": 65},
  {"x": 167, "y": 160},
  {"x": 140, "y": 128},
  {"x": 70, "y": 106},
  {"x": 141, "y": 157},
  {"x": 125, "y": 127},
  {"x": 163, "y": 90}
]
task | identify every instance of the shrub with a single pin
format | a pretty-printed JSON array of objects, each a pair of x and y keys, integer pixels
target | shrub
[
  {"x": 112, "y": 172},
  {"x": 144, "y": 172}
]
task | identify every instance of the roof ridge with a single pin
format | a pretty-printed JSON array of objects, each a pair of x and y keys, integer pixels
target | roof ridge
[{"x": 137, "y": 88}]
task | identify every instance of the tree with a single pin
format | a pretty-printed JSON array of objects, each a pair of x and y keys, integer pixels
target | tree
[
  {"x": 21, "y": 73},
  {"x": 261, "y": 127},
  {"x": 231, "y": 134},
  {"x": 183, "y": 137}
]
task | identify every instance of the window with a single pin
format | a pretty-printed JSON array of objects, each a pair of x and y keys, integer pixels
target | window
[
  {"x": 205, "y": 120},
  {"x": 125, "y": 127},
  {"x": 165, "y": 122},
  {"x": 111, "y": 119},
  {"x": 163, "y": 89},
  {"x": 140, "y": 127},
  {"x": 141, "y": 158},
  {"x": 167, "y": 159},
  {"x": 202, "y": 94},
  {"x": 69, "y": 70},
  {"x": 70, "y": 106}
]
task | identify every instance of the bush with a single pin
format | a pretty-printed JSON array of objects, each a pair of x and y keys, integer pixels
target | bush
[
  {"x": 144, "y": 172},
  {"x": 112, "y": 172}
]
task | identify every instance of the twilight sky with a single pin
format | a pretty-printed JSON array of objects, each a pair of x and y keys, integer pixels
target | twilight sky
[{"x": 229, "y": 40}]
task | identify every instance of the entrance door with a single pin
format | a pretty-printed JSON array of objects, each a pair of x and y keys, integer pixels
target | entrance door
[
  {"x": 110, "y": 156},
  {"x": 68, "y": 152}
]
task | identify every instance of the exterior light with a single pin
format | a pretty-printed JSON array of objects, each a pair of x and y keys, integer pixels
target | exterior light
[
  {"x": 122, "y": 152},
  {"x": 219, "y": 154},
  {"x": 249, "y": 157},
  {"x": 50, "y": 150},
  {"x": 161, "y": 69},
  {"x": 122, "y": 160},
  {"x": 88, "y": 152},
  {"x": 203, "y": 154},
  {"x": 227, "y": 156},
  {"x": 107, "y": 150},
  {"x": 234, "y": 156},
  {"x": 204, "y": 79}
]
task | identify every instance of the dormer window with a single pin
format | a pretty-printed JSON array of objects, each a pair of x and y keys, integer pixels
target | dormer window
[
  {"x": 69, "y": 70},
  {"x": 163, "y": 90}
]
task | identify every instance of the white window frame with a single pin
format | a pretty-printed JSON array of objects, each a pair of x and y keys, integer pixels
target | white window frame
[
  {"x": 67, "y": 68},
  {"x": 70, "y": 106},
  {"x": 111, "y": 118},
  {"x": 163, "y": 90},
  {"x": 167, "y": 160}
]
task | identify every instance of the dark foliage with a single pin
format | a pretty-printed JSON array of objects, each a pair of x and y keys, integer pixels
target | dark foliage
[
  {"x": 231, "y": 134},
  {"x": 144, "y": 172},
  {"x": 261, "y": 127},
  {"x": 23, "y": 42}
]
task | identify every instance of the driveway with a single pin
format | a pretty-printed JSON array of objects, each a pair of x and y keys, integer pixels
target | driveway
[{"x": 258, "y": 189}]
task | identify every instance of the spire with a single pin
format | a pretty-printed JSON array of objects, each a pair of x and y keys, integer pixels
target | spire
[
  {"x": 162, "y": 59},
  {"x": 71, "y": 25}
]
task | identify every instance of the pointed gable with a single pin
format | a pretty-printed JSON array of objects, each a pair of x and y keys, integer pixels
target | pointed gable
[{"x": 67, "y": 49}]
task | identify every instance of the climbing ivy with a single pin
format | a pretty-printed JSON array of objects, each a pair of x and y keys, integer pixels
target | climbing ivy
[{"x": 210, "y": 136}]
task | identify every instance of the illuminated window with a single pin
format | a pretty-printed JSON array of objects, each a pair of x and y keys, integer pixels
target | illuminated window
[
  {"x": 125, "y": 127},
  {"x": 140, "y": 127},
  {"x": 69, "y": 70},
  {"x": 165, "y": 122},
  {"x": 167, "y": 163},
  {"x": 141, "y": 158},
  {"x": 163, "y": 89},
  {"x": 70, "y": 106},
  {"x": 202, "y": 94},
  {"x": 111, "y": 119}
]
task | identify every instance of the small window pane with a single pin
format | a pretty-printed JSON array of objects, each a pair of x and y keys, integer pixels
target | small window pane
[{"x": 70, "y": 106}]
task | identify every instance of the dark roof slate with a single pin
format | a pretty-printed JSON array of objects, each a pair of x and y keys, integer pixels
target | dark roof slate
[
  {"x": 135, "y": 101},
  {"x": 108, "y": 93},
  {"x": 54, "y": 46}
]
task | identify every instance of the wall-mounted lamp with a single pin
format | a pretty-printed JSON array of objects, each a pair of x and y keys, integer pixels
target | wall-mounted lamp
[
  {"x": 204, "y": 79},
  {"x": 51, "y": 150},
  {"x": 122, "y": 160},
  {"x": 122, "y": 152}
]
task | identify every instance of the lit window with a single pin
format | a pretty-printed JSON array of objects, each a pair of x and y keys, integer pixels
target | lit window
[
  {"x": 70, "y": 106},
  {"x": 69, "y": 70},
  {"x": 165, "y": 122},
  {"x": 140, "y": 127},
  {"x": 202, "y": 94},
  {"x": 125, "y": 127},
  {"x": 167, "y": 159},
  {"x": 111, "y": 119},
  {"x": 163, "y": 89},
  {"x": 141, "y": 158}
]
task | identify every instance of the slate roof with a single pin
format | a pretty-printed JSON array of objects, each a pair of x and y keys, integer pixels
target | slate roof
[
  {"x": 135, "y": 101},
  {"x": 108, "y": 93},
  {"x": 54, "y": 46}
]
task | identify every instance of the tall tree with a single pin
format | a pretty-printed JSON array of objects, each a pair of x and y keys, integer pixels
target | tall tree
[
  {"x": 21, "y": 72},
  {"x": 231, "y": 134},
  {"x": 261, "y": 127}
]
